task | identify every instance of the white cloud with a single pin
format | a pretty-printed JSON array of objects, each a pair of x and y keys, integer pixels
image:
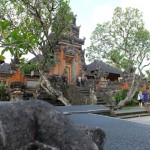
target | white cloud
[
  {"x": 85, "y": 2},
  {"x": 101, "y": 13},
  {"x": 142, "y": 5}
]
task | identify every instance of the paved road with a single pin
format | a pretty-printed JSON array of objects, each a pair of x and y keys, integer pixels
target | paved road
[{"x": 120, "y": 134}]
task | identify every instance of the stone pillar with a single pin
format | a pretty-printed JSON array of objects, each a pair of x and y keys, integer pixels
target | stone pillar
[
  {"x": 16, "y": 96},
  {"x": 74, "y": 71},
  {"x": 147, "y": 107}
]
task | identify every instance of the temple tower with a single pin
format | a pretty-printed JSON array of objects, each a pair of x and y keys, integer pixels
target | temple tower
[{"x": 70, "y": 55}]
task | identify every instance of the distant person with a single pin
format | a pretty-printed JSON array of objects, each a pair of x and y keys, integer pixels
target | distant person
[
  {"x": 79, "y": 80},
  {"x": 64, "y": 78},
  {"x": 82, "y": 81},
  {"x": 140, "y": 98},
  {"x": 145, "y": 97}
]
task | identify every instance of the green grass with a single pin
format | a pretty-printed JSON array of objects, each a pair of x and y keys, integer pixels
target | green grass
[{"x": 129, "y": 107}]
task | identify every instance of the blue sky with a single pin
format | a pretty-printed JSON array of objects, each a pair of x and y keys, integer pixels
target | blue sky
[{"x": 91, "y": 12}]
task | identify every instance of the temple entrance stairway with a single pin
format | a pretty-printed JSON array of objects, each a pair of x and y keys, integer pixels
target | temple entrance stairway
[
  {"x": 83, "y": 92},
  {"x": 100, "y": 100}
]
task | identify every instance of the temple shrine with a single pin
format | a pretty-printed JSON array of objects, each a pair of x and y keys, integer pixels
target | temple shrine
[
  {"x": 70, "y": 55},
  {"x": 70, "y": 61}
]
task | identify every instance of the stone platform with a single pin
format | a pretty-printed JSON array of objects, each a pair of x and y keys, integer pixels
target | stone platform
[
  {"x": 136, "y": 112},
  {"x": 97, "y": 109}
]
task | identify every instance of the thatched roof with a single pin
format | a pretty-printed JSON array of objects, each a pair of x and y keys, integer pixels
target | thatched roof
[{"x": 96, "y": 64}]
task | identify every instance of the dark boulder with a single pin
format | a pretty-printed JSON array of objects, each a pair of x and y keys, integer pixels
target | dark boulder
[{"x": 37, "y": 125}]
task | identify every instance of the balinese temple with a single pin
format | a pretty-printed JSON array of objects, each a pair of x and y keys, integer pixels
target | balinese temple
[
  {"x": 10, "y": 73},
  {"x": 70, "y": 61},
  {"x": 70, "y": 55}
]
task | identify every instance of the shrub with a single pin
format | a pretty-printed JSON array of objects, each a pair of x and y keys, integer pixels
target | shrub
[
  {"x": 3, "y": 93},
  {"x": 120, "y": 95}
]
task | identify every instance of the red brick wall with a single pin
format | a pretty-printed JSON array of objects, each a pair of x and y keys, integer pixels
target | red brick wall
[{"x": 17, "y": 76}]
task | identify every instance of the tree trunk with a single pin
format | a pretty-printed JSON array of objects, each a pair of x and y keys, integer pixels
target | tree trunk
[
  {"x": 45, "y": 83},
  {"x": 132, "y": 90}
]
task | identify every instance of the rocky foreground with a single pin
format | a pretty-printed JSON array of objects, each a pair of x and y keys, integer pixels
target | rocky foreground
[{"x": 37, "y": 125}]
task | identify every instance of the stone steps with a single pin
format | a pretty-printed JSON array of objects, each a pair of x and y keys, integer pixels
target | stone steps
[
  {"x": 86, "y": 92},
  {"x": 100, "y": 101},
  {"x": 134, "y": 115},
  {"x": 123, "y": 114}
]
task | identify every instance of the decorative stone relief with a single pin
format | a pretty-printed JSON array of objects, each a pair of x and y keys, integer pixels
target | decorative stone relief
[{"x": 69, "y": 50}]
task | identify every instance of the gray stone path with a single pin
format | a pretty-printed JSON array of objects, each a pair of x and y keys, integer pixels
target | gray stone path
[
  {"x": 138, "y": 109},
  {"x": 143, "y": 120},
  {"x": 120, "y": 134}
]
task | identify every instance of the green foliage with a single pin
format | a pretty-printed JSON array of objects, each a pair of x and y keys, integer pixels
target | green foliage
[
  {"x": 34, "y": 27},
  {"x": 4, "y": 24},
  {"x": 120, "y": 96},
  {"x": 2, "y": 57},
  {"x": 123, "y": 41},
  {"x": 26, "y": 68},
  {"x": 2, "y": 88},
  {"x": 148, "y": 75},
  {"x": 130, "y": 107},
  {"x": 134, "y": 100},
  {"x": 3, "y": 94}
]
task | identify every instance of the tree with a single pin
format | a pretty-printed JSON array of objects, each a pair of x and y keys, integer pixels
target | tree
[
  {"x": 36, "y": 27},
  {"x": 2, "y": 91},
  {"x": 124, "y": 42},
  {"x": 148, "y": 75}
]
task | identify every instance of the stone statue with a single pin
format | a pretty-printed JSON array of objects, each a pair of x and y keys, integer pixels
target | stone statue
[
  {"x": 37, "y": 125},
  {"x": 93, "y": 96}
]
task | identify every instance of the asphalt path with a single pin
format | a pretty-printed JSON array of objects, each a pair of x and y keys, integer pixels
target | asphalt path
[{"x": 120, "y": 134}]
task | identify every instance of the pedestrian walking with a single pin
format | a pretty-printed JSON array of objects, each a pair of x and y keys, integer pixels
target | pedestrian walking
[
  {"x": 140, "y": 98},
  {"x": 145, "y": 97},
  {"x": 79, "y": 80},
  {"x": 82, "y": 80}
]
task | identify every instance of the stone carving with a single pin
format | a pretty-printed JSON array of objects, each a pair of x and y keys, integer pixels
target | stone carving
[
  {"x": 80, "y": 41},
  {"x": 69, "y": 50},
  {"x": 37, "y": 125},
  {"x": 93, "y": 96},
  {"x": 16, "y": 91},
  {"x": 82, "y": 52},
  {"x": 74, "y": 19}
]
